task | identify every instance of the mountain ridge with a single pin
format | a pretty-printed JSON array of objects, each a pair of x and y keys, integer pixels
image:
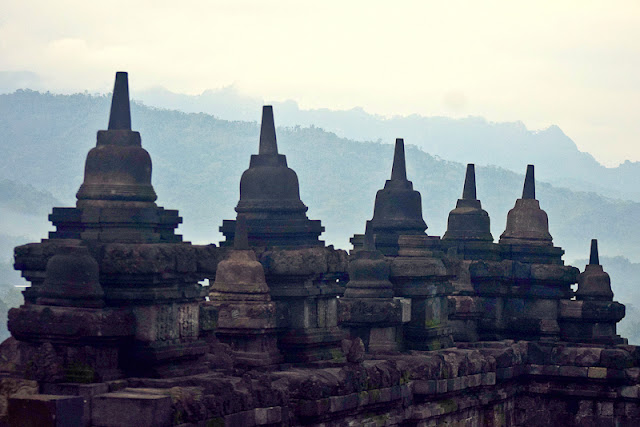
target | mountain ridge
[
  {"x": 553, "y": 152},
  {"x": 198, "y": 160}
]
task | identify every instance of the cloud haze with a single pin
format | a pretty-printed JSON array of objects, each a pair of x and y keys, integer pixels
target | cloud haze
[{"x": 574, "y": 64}]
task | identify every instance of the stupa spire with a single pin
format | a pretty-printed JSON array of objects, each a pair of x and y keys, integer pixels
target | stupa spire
[
  {"x": 594, "y": 259},
  {"x": 529, "y": 189},
  {"x": 120, "y": 117},
  {"x": 399, "y": 169},
  {"x": 268, "y": 143},
  {"x": 469, "y": 190}
]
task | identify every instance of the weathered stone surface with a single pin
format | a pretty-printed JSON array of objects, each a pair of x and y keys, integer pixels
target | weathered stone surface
[
  {"x": 247, "y": 317},
  {"x": 577, "y": 356},
  {"x": 44, "y": 410},
  {"x": 207, "y": 258},
  {"x": 486, "y": 270},
  {"x": 615, "y": 358},
  {"x": 148, "y": 259},
  {"x": 331, "y": 393},
  {"x": 15, "y": 387},
  {"x": 356, "y": 351},
  {"x": 65, "y": 324},
  {"x": 368, "y": 276},
  {"x": 86, "y": 391},
  {"x": 72, "y": 279},
  {"x": 552, "y": 273},
  {"x": 307, "y": 261},
  {"x": 422, "y": 267},
  {"x": 368, "y": 311},
  {"x": 132, "y": 407}
]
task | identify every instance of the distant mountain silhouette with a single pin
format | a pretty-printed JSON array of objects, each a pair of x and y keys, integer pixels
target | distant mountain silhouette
[{"x": 473, "y": 139}]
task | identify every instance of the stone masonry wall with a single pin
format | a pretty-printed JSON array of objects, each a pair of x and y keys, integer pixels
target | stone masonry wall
[{"x": 503, "y": 383}]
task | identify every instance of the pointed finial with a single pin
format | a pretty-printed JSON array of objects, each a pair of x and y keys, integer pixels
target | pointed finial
[
  {"x": 594, "y": 259},
  {"x": 241, "y": 237},
  {"x": 268, "y": 144},
  {"x": 529, "y": 190},
  {"x": 369, "y": 239},
  {"x": 120, "y": 117},
  {"x": 399, "y": 170},
  {"x": 469, "y": 191}
]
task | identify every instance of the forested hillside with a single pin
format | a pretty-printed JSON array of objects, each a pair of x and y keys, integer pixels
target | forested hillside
[
  {"x": 471, "y": 139},
  {"x": 198, "y": 160}
]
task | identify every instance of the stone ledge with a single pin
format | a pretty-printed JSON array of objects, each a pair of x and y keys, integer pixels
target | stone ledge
[
  {"x": 132, "y": 407},
  {"x": 336, "y": 404},
  {"x": 45, "y": 410},
  {"x": 70, "y": 324},
  {"x": 254, "y": 417},
  {"x": 86, "y": 391},
  {"x": 490, "y": 372}
]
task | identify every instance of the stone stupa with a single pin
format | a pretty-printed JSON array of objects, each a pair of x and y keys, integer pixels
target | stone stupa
[
  {"x": 526, "y": 236},
  {"x": 246, "y": 314},
  {"x": 270, "y": 199},
  {"x": 116, "y": 201},
  {"x": 592, "y": 316},
  {"x": 526, "y": 222},
  {"x": 368, "y": 309},
  {"x": 397, "y": 210},
  {"x": 112, "y": 271},
  {"x": 468, "y": 221}
]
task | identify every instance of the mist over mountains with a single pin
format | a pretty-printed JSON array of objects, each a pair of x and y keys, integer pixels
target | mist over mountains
[
  {"x": 198, "y": 160},
  {"x": 469, "y": 140}
]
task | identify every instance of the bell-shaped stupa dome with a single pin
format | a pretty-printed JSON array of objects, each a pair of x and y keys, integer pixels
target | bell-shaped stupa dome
[
  {"x": 527, "y": 224},
  {"x": 468, "y": 221},
  {"x": 118, "y": 168},
  {"x": 270, "y": 199}
]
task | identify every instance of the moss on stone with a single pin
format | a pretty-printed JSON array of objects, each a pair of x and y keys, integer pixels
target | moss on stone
[
  {"x": 448, "y": 405},
  {"x": 431, "y": 323},
  {"x": 78, "y": 372},
  {"x": 406, "y": 377},
  {"x": 216, "y": 422},
  {"x": 336, "y": 355},
  {"x": 434, "y": 345}
]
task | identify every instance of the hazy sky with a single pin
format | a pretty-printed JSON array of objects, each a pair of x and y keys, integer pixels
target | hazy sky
[{"x": 571, "y": 63}]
